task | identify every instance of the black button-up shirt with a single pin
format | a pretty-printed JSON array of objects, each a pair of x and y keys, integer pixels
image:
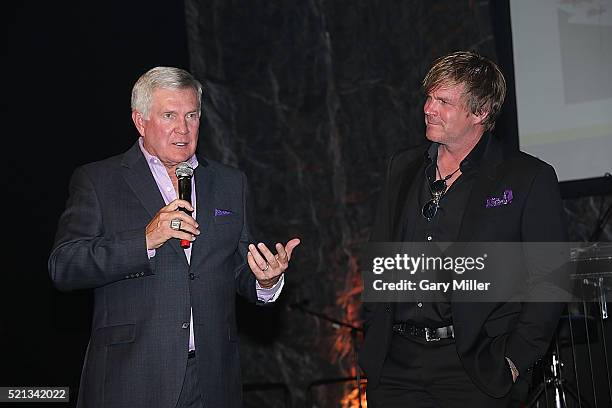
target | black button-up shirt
[{"x": 443, "y": 227}]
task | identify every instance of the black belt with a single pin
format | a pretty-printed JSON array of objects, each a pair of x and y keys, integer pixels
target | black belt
[
  {"x": 406, "y": 329},
  {"x": 191, "y": 354}
]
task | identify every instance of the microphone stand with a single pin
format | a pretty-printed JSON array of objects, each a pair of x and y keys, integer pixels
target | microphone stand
[{"x": 336, "y": 324}]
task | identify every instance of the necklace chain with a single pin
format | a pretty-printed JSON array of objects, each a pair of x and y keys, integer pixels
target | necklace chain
[{"x": 447, "y": 177}]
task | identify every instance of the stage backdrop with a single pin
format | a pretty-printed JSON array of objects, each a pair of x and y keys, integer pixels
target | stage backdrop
[{"x": 310, "y": 98}]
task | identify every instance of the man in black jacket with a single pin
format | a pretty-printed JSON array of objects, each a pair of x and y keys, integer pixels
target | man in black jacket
[{"x": 447, "y": 353}]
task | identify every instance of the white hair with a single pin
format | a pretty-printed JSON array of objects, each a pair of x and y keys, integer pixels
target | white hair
[{"x": 161, "y": 77}]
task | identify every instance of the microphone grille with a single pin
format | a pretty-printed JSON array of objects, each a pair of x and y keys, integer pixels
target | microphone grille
[{"x": 184, "y": 169}]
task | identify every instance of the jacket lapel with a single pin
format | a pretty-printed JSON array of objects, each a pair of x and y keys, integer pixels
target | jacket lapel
[
  {"x": 404, "y": 213},
  {"x": 488, "y": 178},
  {"x": 138, "y": 177},
  {"x": 204, "y": 185},
  {"x": 404, "y": 176}
]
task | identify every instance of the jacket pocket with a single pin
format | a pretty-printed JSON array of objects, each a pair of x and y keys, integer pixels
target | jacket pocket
[
  {"x": 226, "y": 219},
  {"x": 120, "y": 334}
]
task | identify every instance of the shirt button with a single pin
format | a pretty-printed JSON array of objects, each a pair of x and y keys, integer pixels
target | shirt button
[
  {"x": 168, "y": 188},
  {"x": 429, "y": 237},
  {"x": 154, "y": 161},
  {"x": 420, "y": 304},
  {"x": 185, "y": 325},
  {"x": 191, "y": 276}
]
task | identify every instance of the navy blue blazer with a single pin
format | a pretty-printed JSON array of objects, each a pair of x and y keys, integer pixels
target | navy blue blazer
[{"x": 137, "y": 353}]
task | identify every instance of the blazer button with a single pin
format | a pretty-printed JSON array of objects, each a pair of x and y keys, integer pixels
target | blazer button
[
  {"x": 191, "y": 276},
  {"x": 185, "y": 325}
]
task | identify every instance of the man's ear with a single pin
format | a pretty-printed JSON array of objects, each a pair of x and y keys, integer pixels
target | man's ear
[
  {"x": 138, "y": 122},
  {"x": 479, "y": 117}
]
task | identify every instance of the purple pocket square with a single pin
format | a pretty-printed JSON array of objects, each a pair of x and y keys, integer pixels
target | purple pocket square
[
  {"x": 505, "y": 199},
  {"x": 222, "y": 213}
]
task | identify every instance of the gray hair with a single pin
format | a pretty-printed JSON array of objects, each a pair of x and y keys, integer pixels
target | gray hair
[{"x": 162, "y": 77}]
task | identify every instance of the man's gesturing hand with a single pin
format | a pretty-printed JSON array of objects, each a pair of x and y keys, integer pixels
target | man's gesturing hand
[
  {"x": 269, "y": 267},
  {"x": 159, "y": 229}
]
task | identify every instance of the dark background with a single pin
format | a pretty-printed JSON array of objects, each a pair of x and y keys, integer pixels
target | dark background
[
  {"x": 309, "y": 98},
  {"x": 68, "y": 67}
]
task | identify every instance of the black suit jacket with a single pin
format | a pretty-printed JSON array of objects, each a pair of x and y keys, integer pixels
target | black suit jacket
[
  {"x": 484, "y": 332},
  {"x": 137, "y": 353}
]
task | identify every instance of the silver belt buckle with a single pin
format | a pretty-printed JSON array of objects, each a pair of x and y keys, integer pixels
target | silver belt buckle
[{"x": 431, "y": 334}]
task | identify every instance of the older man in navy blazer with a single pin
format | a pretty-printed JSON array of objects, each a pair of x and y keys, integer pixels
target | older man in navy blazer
[{"x": 164, "y": 329}]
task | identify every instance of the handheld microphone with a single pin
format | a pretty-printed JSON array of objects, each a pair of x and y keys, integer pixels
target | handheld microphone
[{"x": 184, "y": 172}]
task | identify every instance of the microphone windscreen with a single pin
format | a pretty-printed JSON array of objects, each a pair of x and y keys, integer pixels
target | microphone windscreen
[{"x": 184, "y": 169}]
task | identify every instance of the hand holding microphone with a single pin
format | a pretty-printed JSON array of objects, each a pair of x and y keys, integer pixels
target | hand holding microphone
[{"x": 171, "y": 223}]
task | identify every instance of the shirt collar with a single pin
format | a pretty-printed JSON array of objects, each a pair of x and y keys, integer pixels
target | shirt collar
[{"x": 471, "y": 161}]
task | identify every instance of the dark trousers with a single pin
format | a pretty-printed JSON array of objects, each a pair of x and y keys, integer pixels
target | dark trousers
[
  {"x": 190, "y": 393},
  {"x": 428, "y": 375}
]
